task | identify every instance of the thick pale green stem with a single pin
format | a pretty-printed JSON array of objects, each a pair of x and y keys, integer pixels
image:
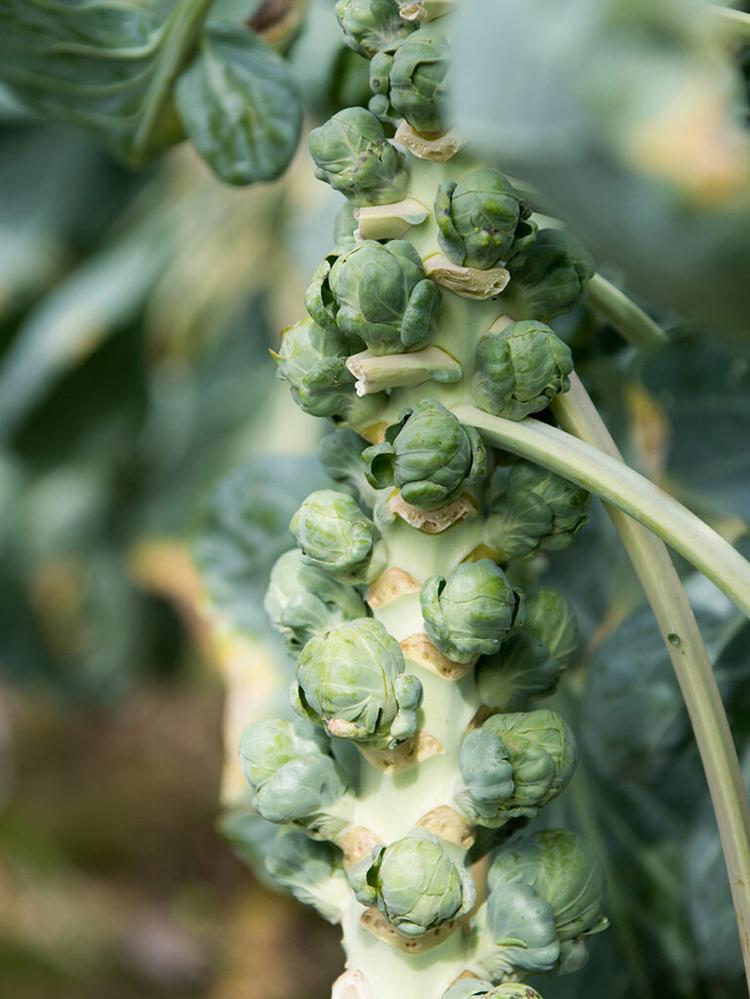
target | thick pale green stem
[
  {"x": 627, "y": 318},
  {"x": 624, "y": 488},
  {"x": 691, "y": 663}
]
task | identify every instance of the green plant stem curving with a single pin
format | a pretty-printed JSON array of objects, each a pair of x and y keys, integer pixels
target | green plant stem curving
[
  {"x": 623, "y": 487},
  {"x": 628, "y": 319},
  {"x": 691, "y": 662}
]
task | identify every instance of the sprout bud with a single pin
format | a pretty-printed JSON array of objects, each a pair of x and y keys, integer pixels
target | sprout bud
[
  {"x": 430, "y": 456},
  {"x": 520, "y": 370},
  {"x": 312, "y": 871},
  {"x": 353, "y": 155},
  {"x": 414, "y": 883},
  {"x": 377, "y": 292},
  {"x": 470, "y": 613},
  {"x": 410, "y": 83},
  {"x": 313, "y": 362},
  {"x": 550, "y": 277},
  {"x": 333, "y": 534},
  {"x": 352, "y": 681},
  {"x": 471, "y": 988},
  {"x": 372, "y": 26}
]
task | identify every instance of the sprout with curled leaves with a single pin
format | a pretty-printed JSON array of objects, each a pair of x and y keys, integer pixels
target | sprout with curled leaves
[
  {"x": 311, "y": 870},
  {"x": 471, "y": 612},
  {"x": 472, "y": 988},
  {"x": 352, "y": 681},
  {"x": 372, "y": 26},
  {"x": 293, "y": 777},
  {"x": 377, "y": 292},
  {"x": 549, "y": 277},
  {"x": 534, "y": 655},
  {"x": 429, "y": 455},
  {"x": 410, "y": 83},
  {"x": 333, "y": 534},
  {"x": 354, "y": 156},
  {"x": 514, "y": 765},
  {"x": 545, "y": 900},
  {"x": 303, "y": 600},
  {"x": 313, "y": 362},
  {"x": 481, "y": 220},
  {"x": 539, "y": 511},
  {"x": 415, "y": 883},
  {"x": 520, "y": 369}
]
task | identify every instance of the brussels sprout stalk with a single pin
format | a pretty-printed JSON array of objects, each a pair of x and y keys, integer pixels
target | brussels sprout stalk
[{"x": 377, "y": 372}]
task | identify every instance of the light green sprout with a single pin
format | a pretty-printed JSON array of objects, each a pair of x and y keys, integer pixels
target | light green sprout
[
  {"x": 410, "y": 83},
  {"x": 372, "y": 26},
  {"x": 333, "y": 534}
]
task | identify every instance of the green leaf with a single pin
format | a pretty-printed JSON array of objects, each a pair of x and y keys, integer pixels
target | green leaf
[{"x": 239, "y": 103}]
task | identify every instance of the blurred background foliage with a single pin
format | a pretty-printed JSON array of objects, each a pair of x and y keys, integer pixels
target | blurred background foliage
[{"x": 136, "y": 313}]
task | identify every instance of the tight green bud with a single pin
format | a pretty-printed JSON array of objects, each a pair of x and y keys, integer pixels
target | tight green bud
[
  {"x": 539, "y": 511},
  {"x": 351, "y": 680},
  {"x": 303, "y": 600},
  {"x": 520, "y": 370},
  {"x": 312, "y": 871},
  {"x": 372, "y": 26},
  {"x": 414, "y": 883},
  {"x": 353, "y": 155},
  {"x": 333, "y": 534},
  {"x": 430, "y": 456},
  {"x": 550, "y": 277},
  {"x": 479, "y": 219},
  {"x": 377, "y": 292},
  {"x": 545, "y": 896},
  {"x": 470, "y": 613},
  {"x": 533, "y": 656},
  {"x": 514, "y": 765},
  {"x": 471, "y": 988},
  {"x": 313, "y": 362},
  {"x": 291, "y": 774},
  {"x": 411, "y": 83}
]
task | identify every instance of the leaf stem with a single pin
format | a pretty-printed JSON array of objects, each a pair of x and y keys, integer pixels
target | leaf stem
[
  {"x": 623, "y": 487},
  {"x": 691, "y": 663},
  {"x": 628, "y": 319}
]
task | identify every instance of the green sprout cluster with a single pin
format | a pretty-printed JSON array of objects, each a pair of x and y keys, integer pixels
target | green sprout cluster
[{"x": 422, "y": 645}]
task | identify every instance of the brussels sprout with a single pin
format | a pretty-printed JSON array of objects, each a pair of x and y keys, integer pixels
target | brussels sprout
[
  {"x": 520, "y": 369},
  {"x": 411, "y": 83},
  {"x": 471, "y": 988},
  {"x": 351, "y": 680},
  {"x": 549, "y": 277},
  {"x": 539, "y": 511},
  {"x": 430, "y": 456},
  {"x": 353, "y": 155},
  {"x": 514, "y": 765},
  {"x": 372, "y": 26},
  {"x": 414, "y": 883},
  {"x": 292, "y": 775},
  {"x": 470, "y": 613},
  {"x": 313, "y": 362},
  {"x": 312, "y": 871},
  {"x": 533, "y": 656},
  {"x": 479, "y": 219},
  {"x": 377, "y": 292},
  {"x": 333, "y": 534},
  {"x": 341, "y": 458},
  {"x": 545, "y": 896},
  {"x": 303, "y": 600}
]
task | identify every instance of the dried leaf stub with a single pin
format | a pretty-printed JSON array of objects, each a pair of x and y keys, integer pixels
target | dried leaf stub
[
  {"x": 375, "y": 923},
  {"x": 351, "y": 985},
  {"x": 446, "y": 823},
  {"x": 468, "y": 282},
  {"x": 437, "y": 148},
  {"x": 405, "y": 756},
  {"x": 357, "y": 842},
  {"x": 432, "y": 521},
  {"x": 393, "y": 583},
  {"x": 420, "y": 650}
]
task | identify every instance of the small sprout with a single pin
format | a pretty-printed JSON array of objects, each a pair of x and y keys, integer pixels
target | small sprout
[
  {"x": 411, "y": 83},
  {"x": 303, "y": 600},
  {"x": 292, "y": 775},
  {"x": 534, "y": 655},
  {"x": 470, "y": 613},
  {"x": 520, "y": 369},
  {"x": 471, "y": 988},
  {"x": 353, "y": 155},
  {"x": 333, "y": 534},
  {"x": 311, "y": 871},
  {"x": 430, "y": 456},
  {"x": 539, "y": 511},
  {"x": 377, "y": 292},
  {"x": 514, "y": 765},
  {"x": 372, "y": 26},
  {"x": 549, "y": 277},
  {"x": 414, "y": 883},
  {"x": 313, "y": 362},
  {"x": 351, "y": 680},
  {"x": 545, "y": 897},
  {"x": 480, "y": 219}
]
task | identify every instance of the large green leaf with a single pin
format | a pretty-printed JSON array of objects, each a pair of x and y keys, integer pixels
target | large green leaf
[{"x": 239, "y": 104}]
